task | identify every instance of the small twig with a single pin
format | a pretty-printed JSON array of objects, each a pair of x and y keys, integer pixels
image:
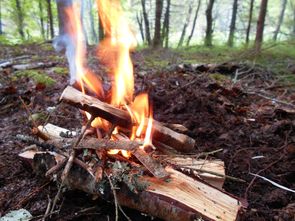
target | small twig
[
  {"x": 70, "y": 162},
  {"x": 28, "y": 112},
  {"x": 260, "y": 171},
  {"x": 273, "y": 183},
  {"x": 47, "y": 209},
  {"x": 115, "y": 196},
  {"x": 216, "y": 174}
]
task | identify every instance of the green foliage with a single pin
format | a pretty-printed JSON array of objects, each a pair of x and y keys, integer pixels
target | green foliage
[
  {"x": 60, "y": 70},
  {"x": 37, "y": 76}
]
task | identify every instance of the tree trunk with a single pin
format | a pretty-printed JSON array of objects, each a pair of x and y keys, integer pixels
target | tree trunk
[
  {"x": 166, "y": 24},
  {"x": 249, "y": 22},
  {"x": 82, "y": 10},
  {"x": 50, "y": 18},
  {"x": 157, "y": 42},
  {"x": 187, "y": 21},
  {"x": 194, "y": 23},
  {"x": 41, "y": 16},
  {"x": 20, "y": 19},
  {"x": 146, "y": 23},
  {"x": 233, "y": 24},
  {"x": 1, "y": 30},
  {"x": 140, "y": 24},
  {"x": 260, "y": 25},
  {"x": 93, "y": 33},
  {"x": 281, "y": 18},
  {"x": 209, "y": 28}
]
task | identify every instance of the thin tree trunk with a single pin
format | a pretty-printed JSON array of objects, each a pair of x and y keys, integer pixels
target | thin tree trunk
[
  {"x": 194, "y": 23},
  {"x": 100, "y": 30},
  {"x": 82, "y": 10},
  {"x": 187, "y": 21},
  {"x": 232, "y": 28},
  {"x": 20, "y": 19},
  {"x": 260, "y": 25},
  {"x": 209, "y": 28},
  {"x": 157, "y": 42},
  {"x": 146, "y": 23},
  {"x": 249, "y": 22},
  {"x": 281, "y": 18},
  {"x": 1, "y": 30},
  {"x": 41, "y": 16},
  {"x": 166, "y": 24},
  {"x": 140, "y": 24},
  {"x": 50, "y": 18},
  {"x": 93, "y": 33}
]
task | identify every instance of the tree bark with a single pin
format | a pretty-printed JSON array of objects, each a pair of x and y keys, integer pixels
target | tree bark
[
  {"x": 209, "y": 28},
  {"x": 249, "y": 22},
  {"x": 20, "y": 19},
  {"x": 260, "y": 25},
  {"x": 232, "y": 28},
  {"x": 41, "y": 16},
  {"x": 194, "y": 23},
  {"x": 166, "y": 24},
  {"x": 187, "y": 21},
  {"x": 82, "y": 10},
  {"x": 1, "y": 30},
  {"x": 293, "y": 29},
  {"x": 146, "y": 23},
  {"x": 140, "y": 25},
  {"x": 157, "y": 41},
  {"x": 50, "y": 18},
  {"x": 281, "y": 18},
  {"x": 93, "y": 32}
]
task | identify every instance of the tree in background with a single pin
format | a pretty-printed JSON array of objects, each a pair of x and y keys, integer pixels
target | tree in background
[
  {"x": 41, "y": 17},
  {"x": 232, "y": 28},
  {"x": 186, "y": 23},
  {"x": 209, "y": 28},
  {"x": 157, "y": 41},
  {"x": 92, "y": 24},
  {"x": 166, "y": 24},
  {"x": 146, "y": 23},
  {"x": 20, "y": 19},
  {"x": 50, "y": 18},
  {"x": 194, "y": 23},
  {"x": 249, "y": 22},
  {"x": 260, "y": 25},
  {"x": 139, "y": 20},
  {"x": 281, "y": 18}
]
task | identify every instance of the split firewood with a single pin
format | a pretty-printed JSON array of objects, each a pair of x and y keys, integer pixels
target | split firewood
[
  {"x": 180, "y": 198},
  {"x": 122, "y": 118},
  {"x": 56, "y": 132},
  {"x": 199, "y": 167}
]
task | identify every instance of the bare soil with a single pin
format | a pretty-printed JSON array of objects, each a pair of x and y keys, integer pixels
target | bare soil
[{"x": 255, "y": 132}]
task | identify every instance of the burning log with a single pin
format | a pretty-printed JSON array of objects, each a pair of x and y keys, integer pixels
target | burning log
[
  {"x": 122, "y": 118},
  {"x": 179, "y": 198}
]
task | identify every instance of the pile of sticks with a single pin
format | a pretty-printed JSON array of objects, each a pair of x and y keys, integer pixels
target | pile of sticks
[{"x": 170, "y": 182}]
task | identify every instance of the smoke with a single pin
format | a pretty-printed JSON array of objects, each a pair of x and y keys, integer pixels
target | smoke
[{"x": 70, "y": 36}]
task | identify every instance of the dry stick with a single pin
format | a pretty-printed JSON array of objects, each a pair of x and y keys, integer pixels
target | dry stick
[
  {"x": 260, "y": 171},
  {"x": 216, "y": 174},
  {"x": 70, "y": 162},
  {"x": 115, "y": 195},
  {"x": 47, "y": 209},
  {"x": 35, "y": 130}
]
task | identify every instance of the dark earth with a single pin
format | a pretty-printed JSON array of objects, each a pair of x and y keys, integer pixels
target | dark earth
[{"x": 255, "y": 131}]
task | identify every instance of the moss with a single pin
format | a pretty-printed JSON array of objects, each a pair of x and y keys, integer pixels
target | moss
[
  {"x": 37, "y": 76},
  {"x": 60, "y": 70},
  {"x": 219, "y": 77}
]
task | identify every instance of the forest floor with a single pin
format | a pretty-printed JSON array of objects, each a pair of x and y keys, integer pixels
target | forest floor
[{"x": 247, "y": 108}]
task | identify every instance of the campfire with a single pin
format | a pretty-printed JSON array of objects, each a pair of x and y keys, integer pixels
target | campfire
[{"x": 121, "y": 149}]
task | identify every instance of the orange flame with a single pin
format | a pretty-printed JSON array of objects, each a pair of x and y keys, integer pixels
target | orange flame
[
  {"x": 118, "y": 42},
  {"x": 75, "y": 30},
  {"x": 120, "y": 39}
]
